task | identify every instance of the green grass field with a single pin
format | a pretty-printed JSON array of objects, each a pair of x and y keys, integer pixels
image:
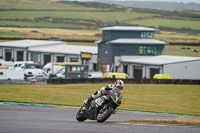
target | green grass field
[
  {"x": 13, "y": 34},
  {"x": 92, "y": 16},
  {"x": 58, "y": 13},
  {"x": 49, "y": 5},
  {"x": 65, "y": 20},
  {"x": 179, "y": 99},
  {"x": 40, "y": 5},
  {"x": 38, "y": 25},
  {"x": 173, "y": 23},
  {"x": 105, "y": 16},
  {"x": 182, "y": 50}
]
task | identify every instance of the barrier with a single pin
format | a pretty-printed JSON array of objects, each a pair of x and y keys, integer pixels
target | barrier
[
  {"x": 107, "y": 80},
  {"x": 130, "y": 81},
  {"x": 20, "y": 82}
]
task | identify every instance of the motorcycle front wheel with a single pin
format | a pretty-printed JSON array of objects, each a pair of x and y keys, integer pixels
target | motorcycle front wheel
[
  {"x": 102, "y": 116},
  {"x": 80, "y": 115}
]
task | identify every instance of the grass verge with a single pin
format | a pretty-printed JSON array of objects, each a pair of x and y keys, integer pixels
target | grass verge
[
  {"x": 178, "y": 121},
  {"x": 177, "y": 99}
]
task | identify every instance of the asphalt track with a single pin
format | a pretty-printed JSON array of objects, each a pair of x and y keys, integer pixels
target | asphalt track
[{"x": 35, "y": 119}]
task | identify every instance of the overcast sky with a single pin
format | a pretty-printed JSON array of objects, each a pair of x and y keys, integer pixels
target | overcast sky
[{"x": 185, "y": 1}]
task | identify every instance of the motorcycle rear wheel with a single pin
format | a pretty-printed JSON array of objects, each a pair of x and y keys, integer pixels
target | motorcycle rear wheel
[
  {"x": 80, "y": 116},
  {"x": 101, "y": 117}
]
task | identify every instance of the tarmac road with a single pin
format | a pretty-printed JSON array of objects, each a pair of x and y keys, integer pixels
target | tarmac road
[{"x": 35, "y": 119}]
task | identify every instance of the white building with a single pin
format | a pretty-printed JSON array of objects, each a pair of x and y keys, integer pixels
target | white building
[
  {"x": 43, "y": 51},
  {"x": 178, "y": 67}
]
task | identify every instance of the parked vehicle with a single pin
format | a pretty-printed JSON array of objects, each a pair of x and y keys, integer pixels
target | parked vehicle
[
  {"x": 8, "y": 74},
  {"x": 60, "y": 74},
  {"x": 30, "y": 73},
  {"x": 101, "y": 108},
  {"x": 95, "y": 75},
  {"x": 39, "y": 78},
  {"x": 5, "y": 64},
  {"x": 161, "y": 76},
  {"x": 116, "y": 75},
  {"x": 19, "y": 65},
  {"x": 52, "y": 68},
  {"x": 72, "y": 70},
  {"x": 29, "y": 68}
]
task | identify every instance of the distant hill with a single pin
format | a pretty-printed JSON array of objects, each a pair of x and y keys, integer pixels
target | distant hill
[
  {"x": 17, "y": 16},
  {"x": 155, "y": 4}
]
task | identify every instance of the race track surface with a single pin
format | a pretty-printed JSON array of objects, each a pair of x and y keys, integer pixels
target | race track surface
[{"x": 34, "y": 119}]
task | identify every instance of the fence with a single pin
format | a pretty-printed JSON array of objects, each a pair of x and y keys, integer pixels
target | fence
[
  {"x": 130, "y": 81},
  {"x": 98, "y": 80},
  {"x": 20, "y": 82}
]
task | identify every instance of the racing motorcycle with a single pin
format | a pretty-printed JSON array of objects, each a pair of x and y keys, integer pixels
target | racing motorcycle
[{"x": 101, "y": 108}]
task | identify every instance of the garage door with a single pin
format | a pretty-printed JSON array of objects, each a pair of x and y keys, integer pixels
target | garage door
[{"x": 137, "y": 72}]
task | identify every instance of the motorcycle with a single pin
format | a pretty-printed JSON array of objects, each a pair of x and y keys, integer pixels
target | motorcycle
[{"x": 101, "y": 108}]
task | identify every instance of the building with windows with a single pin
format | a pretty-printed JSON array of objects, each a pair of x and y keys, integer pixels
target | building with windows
[
  {"x": 178, "y": 67},
  {"x": 43, "y": 52},
  {"x": 120, "y": 41}
]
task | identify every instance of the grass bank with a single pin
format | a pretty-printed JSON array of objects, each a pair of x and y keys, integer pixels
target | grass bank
[
  {"x": 179, "y": 99},
  {"x": 178, "y": 121},
  {"x": 92, "y": 35}
]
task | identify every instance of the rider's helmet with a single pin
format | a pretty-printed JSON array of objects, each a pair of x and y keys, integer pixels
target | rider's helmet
[{"x": 119, "y": 84}]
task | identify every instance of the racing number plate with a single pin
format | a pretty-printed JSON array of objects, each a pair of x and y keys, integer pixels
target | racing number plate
[{"x": 99, "y": 101}]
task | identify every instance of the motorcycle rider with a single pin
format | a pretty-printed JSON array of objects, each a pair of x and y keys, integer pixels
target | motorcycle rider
[{"x": 117, "y": 86}]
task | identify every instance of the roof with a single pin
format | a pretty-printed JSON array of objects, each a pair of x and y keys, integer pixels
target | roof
[
  {"x": 160, "y": 60},
  {"x": 65, "y": 49},
  {"x": 29, "y": 43},
  {"x": 137, "y": 41},
  {"x": 128, "y": 28}
]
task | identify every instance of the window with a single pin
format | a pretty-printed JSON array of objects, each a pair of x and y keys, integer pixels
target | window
[
  {"x": 69, "y": 69},
  {"x": 106, "y": 36},
  {"x": 47, "y": 58},
  {"x": 147, "y": 34},
  {"x": 94, "y": 66},
  {"x": 33, "y": 66},
  {"x": 78, "y": 69},
  {"x": 125, "y": 68},
  {"x": 74, "y": 59},
  {"x": 74, "y": 69},
  {"x": 60, "y": 58},
  {"x": 142, "y": 50},
  {"x": 147, "y": 50},
  {"x": 8, "y": 55}
]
